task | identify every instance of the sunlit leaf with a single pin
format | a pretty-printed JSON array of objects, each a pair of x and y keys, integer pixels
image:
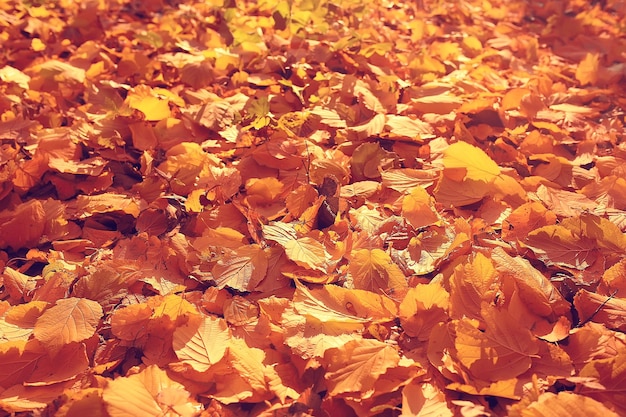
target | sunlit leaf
[
  {"x": 149, "y": 393},
  {"x": 146, "y": 101},
  {"x": 418, "y": 208},
  {"x": 202, "y": 344},
  {"x": 463, "y": 161},
  {"x": 587, "y": 71},
  {"x": 356, "y": 366}
]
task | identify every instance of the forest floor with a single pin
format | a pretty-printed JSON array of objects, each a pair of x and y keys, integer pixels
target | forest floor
[{"x": 301, "y": 208}]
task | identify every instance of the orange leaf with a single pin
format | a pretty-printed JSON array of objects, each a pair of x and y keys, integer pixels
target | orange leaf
[
  {"x": 418, "y": 208},
  {"x": 242, "y": 269},
  {"x": 300, "y": 199},
  {"x": 202, "y": 343},
  {"x": 614, "y": 279},
  {"x": 373, "y": 270},
  {"x": 26, "y": 315},
  {"x": 435, "y": 245},
  {"x": 536, "y": 291},
  {"x": 513, "y": 98},
  {"x": 17, "y": 283},
  {"x": 318, "y": 305},
  {"x": 601, "y": 309},
  {"x": 27, "y": 399},
  {"x": 143, "y": 135},
  {"x": 368, "y": 160},
  {"x": 506, "y": 388},
  {"x": 130, "y": 323},
  {"x": 610, "y": 375},
  {"x": 70, "y": 362},
  {"x": 461, "y": 193},
  {"x": 356, "y": 366},
  {"x": 108, "y": 283},
  {"x": 19, "y": 360},
  {"x": 86, "y": 205},
  {"x": 404, "y": 180},
  {"x": 22, "y": 226},
  {"x": 422, "y": 308},
  {"x": 566, "y": 404},
  {"x": 425, "y": 400},
  {"x": 248, "y": 361},
  {"x": 587, "y": 71},
  {"x": 524, "y": 219},
  {"x": 79, "y": 403},
  {"x": 404, "y": 126},
  {"x": 69, "y": 320},
  {"x": 501, "y": 352},
  {"x": 609, "y": 238},
  {"x": 472, "y": 284},
  {"x": 307, "y": 252},
  {"x": 557, "y": 245},
  {"x": 148, "y": 393}
]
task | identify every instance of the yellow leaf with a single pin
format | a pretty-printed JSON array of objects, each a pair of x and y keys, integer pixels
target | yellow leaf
[
  {"x": 248, "y": 361},
  {"x": 173, "y": 307},
  {"x": 10, "y": 74},
  {"x": 587, "y": 71},
  {"x": 37, "y": 45},
  {"x": 357, "y": 302},
  {"x": 462, "y": 161},
  {"x": 607, "y": 234},
  {"x": 144, "y": 99},
  {"x": 418, "y": 208},
  {"x": 468, "y": 175}
]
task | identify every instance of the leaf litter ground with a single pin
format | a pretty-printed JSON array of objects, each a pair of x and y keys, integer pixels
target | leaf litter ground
[{"x": 306, "y": 208}]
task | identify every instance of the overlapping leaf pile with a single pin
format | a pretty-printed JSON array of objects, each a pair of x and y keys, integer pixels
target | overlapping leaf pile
[{"x": 310, "y": 208}]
